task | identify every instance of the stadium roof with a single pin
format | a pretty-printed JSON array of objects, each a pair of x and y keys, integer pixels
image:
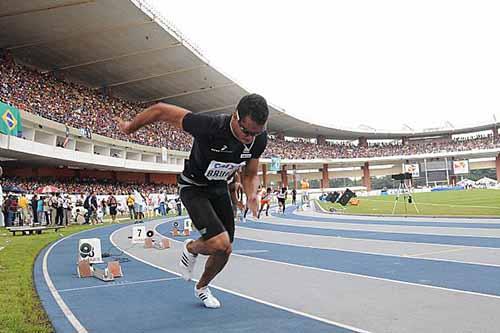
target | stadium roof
[{"x": 129, "y": 48}]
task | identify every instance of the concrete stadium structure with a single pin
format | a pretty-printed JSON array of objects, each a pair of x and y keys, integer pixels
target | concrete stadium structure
[{"x": 127, "y": 49}]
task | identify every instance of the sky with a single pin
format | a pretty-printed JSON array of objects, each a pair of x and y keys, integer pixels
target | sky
[{"x": 385, "y": 65}]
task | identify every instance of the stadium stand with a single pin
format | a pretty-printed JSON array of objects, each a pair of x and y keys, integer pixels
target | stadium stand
[
  {"x": 85, "y": 185},
  {"x": 78, "y": 106}
]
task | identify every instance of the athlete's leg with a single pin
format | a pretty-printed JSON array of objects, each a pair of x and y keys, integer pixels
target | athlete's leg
[
  {"x": 217, "y": 259},
  {"x": 260, "y": 211},
  {"x": 222, "y": 242},
  {"x": 206, "y": 215}
]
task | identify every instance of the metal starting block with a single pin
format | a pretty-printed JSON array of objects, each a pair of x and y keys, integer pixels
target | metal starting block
[
  {"x": 109, "y": 273},
  {"x": 175, "y": 232},
  {"x": 103, "y": 274},
  {"x": 159, "y": 244}
]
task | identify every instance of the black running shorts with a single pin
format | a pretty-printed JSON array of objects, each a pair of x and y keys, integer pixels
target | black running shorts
[{"x": 210, "y": 209}]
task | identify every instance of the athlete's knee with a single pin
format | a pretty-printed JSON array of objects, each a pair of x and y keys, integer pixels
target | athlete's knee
[
  {"x": 220, "y": 244},
  {"x": 229, "y": 250}
]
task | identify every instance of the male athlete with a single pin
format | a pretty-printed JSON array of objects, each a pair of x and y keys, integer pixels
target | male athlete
[{"x": 221, "y": 145}]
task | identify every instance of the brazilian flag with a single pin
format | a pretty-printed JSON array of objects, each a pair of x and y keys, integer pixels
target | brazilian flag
[{"x": 10, "y": 122}]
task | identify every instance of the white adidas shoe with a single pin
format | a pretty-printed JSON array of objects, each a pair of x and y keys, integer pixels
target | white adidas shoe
[
  {"x": 205, "y": 295},
  {"x": 187, "y": 261}
]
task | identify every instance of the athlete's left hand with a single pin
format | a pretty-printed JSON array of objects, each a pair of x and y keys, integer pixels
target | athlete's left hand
[
  {"x": 252, "y": 205},
  {"x": 123, "y": 125}
]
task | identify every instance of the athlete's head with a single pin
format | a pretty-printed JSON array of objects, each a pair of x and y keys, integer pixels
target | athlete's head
[{"x": 250, "y": 117}]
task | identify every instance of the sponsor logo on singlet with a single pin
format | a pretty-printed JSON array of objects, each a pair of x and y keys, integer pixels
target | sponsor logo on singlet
[{"x": 221, "y": 170}]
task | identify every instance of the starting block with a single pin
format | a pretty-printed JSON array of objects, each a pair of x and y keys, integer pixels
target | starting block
[
  {"x": 84, "y": 269},
  {"x": 186, "y": 231},
  {"x": 109, "y": 273},
  {"x": 148, "y": 243},
  {"x": 175, "y": 232},
  {"x": 160, "y": 244},
  {"x": 103, "y": 274}
]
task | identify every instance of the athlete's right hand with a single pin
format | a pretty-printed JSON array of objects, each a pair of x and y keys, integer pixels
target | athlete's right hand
[{"x": 123, "y": 125}]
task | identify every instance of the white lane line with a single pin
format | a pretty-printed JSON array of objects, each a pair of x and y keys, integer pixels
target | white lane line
[
  {"x": 1, "y": 248},
  {"x": 249, "y": 251},
  {"x": 332, "y": 248},
  {"x": 412, "y": 218},
  {"x": 324, "y": 320},
  {"x": 119, "y": 284},
  {"x": 436, "y": 252},
  {"x": 64, "y": 308},
  {"x": 390, "y": 229},
  {"x": 458, "y": 291}
]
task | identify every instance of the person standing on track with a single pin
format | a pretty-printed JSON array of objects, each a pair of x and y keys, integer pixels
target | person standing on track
[{"x": 222, "y": 144}]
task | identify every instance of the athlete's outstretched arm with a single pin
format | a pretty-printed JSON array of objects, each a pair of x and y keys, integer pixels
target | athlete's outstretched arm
[
  {"x": 251, "y": 184},
  {"x": 159, "y": 112}
]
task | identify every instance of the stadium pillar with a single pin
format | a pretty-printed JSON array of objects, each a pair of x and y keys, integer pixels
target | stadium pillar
[
  {"x": 320, "y": 140},
  {"x": 147, "y": 178},
  {"x": 284, "y": 176},
  {"x": 294, "y": 167},
  {"x": 495, "y": 131},
  {"x": 264, "y": 175},
  {"x": 324, "y": 181},
  {"x": 280, "y": 135},
  {"x": 498, "y": 166},
  {"x": 404, "y": 140},
  {"x": 363, "y": 142},
  {"x": 366, "y": 177}
]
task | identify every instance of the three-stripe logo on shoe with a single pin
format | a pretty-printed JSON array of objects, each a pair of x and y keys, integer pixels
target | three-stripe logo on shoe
[
  {"x": 202, "y": 296},
  {"x": 184, "y": 260}
]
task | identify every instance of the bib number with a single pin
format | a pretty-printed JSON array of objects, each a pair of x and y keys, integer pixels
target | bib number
[{"x": 220, "y": 170}]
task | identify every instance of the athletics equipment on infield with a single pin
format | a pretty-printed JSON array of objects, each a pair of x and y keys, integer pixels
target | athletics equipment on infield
[{"x": 89, "y": 256}]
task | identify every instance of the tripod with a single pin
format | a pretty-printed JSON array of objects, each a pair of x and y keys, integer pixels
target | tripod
[{"x": 407, "y": 197}]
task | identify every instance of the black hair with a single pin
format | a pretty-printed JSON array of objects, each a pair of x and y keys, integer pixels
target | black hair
[{"x": 255, "y": 106}]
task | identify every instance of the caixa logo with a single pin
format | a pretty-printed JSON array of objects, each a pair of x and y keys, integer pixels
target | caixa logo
[{"x": 218, "y": 165}]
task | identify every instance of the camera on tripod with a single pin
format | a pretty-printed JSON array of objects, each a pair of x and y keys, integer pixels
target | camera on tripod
[{"x": 402, "y": 176}]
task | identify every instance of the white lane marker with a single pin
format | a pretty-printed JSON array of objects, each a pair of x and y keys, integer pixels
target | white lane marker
[
  {"x": 436, "y": 252},
  {"x": 249, "y": 251},
  {"x": 64, "y": 308},
  {"x": 119, "y": 284}
]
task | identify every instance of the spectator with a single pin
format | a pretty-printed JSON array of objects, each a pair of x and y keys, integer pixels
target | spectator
[
  {"x": 23, "y": 208},
  {"x": 131, "y": 206},
  {"x": 113, "y": 205},
  {"x": 34, "y": 209}
]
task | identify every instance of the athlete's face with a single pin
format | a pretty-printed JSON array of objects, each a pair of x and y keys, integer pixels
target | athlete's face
[{"x": 246, "y": 129}]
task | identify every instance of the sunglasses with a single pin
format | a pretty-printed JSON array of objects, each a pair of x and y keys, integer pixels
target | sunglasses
[{"x": 245, "y": 130}]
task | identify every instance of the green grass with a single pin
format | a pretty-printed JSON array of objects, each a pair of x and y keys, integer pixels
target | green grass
[
  {"x": 21, "y": 309},
  {"x": 450, "y": 203}
]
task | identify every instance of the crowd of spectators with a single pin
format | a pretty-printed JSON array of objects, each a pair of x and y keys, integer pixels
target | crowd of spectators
[
  {"x": 81, "y": 107},
  {"x": 303, "y": 149},
  {"x": 87, "y": 185}
]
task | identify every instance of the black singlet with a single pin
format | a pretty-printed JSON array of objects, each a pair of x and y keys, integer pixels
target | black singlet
[{"x": 216, "y": 153}]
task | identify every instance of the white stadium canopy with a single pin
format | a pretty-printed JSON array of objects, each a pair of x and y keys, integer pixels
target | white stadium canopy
[{"x": 128, "y": 49}]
